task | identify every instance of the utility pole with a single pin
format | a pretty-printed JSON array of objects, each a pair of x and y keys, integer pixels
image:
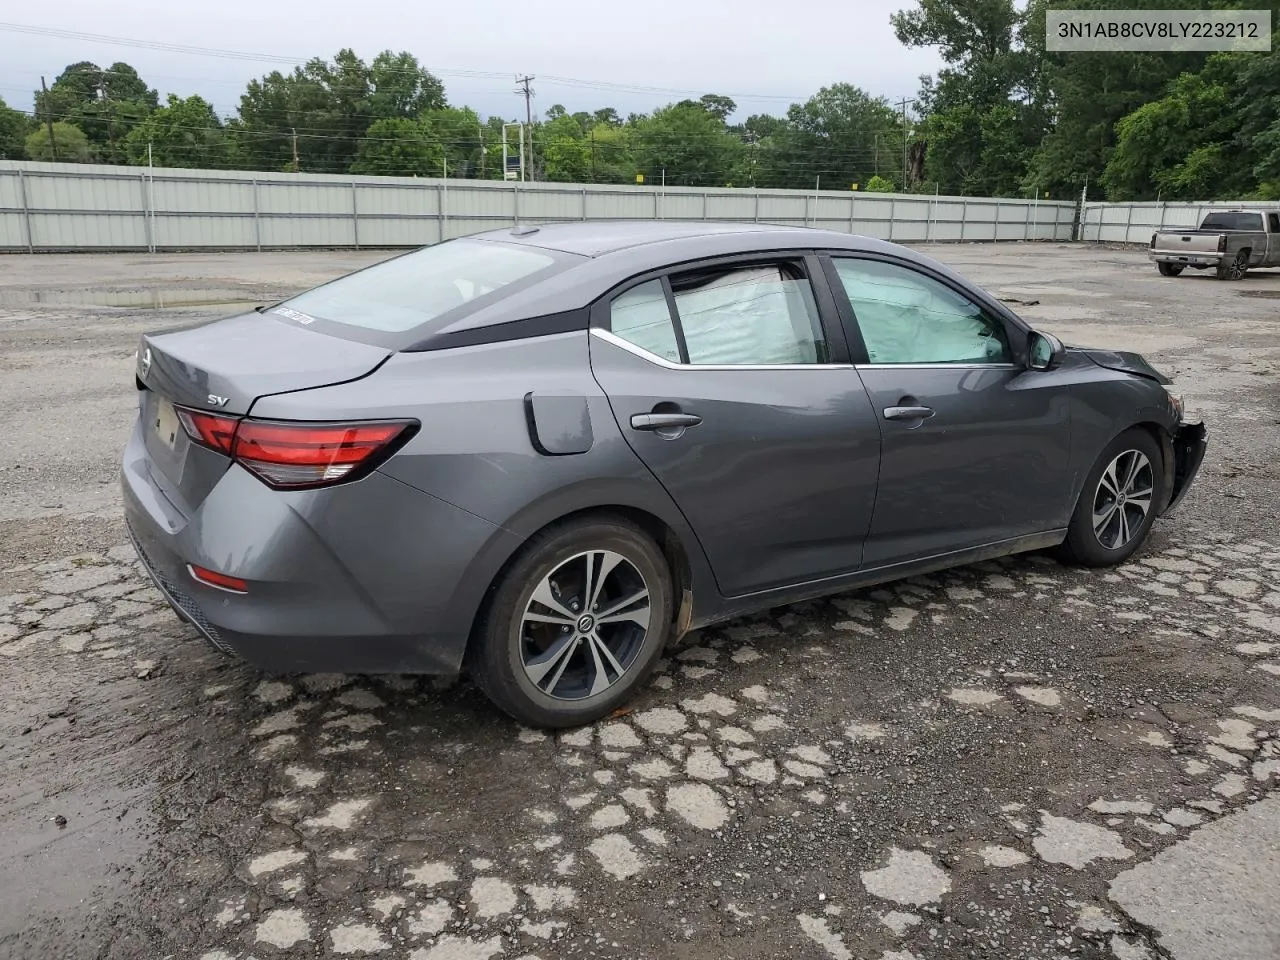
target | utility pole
[
  {"x": 903, "y": 104},
  {"x": 48, "y": 119},
  {"x": 528, "y": 114},
  {"x": 294, "y": 132}
]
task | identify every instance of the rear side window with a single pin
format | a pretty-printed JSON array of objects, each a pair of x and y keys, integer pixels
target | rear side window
[
  {"x": 407, "y": 291},
  {"x": 1274, "y": 220},
  {"x": 749, "y": 315},
  {"x": 640, "y": 316},
  {"x": 757, "y": 315},
  {"x": 1232, "y": 220}
]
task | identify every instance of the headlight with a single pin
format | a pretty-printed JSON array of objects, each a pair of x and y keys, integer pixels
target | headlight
[{"x": 1175, "y": 401}]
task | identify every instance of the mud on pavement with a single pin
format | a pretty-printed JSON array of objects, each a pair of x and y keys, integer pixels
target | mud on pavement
[{"x": 955, "y": 765}]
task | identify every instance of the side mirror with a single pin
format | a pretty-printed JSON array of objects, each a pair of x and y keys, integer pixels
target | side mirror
[{"x": 1044, "y": 351}]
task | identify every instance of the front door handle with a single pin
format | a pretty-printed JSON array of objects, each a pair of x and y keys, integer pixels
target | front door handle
[
  {"x": 664, "y": 421},
  {"x": 908, "y": 413}
]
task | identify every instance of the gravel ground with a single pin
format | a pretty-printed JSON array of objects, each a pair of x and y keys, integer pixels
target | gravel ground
[{"x": 969, "y": 764}]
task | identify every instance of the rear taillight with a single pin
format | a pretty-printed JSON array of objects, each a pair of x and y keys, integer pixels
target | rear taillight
[
  {"x": 311, "y": 454},
  {"x": 209, "y": 429},
  {"x": 1153, "y": 241},
  {"x": 292, "y": 455},
  {"x": 1222, "y": 243}
]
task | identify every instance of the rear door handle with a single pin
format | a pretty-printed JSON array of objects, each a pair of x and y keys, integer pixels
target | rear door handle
[
  {"x": 908, "y": 413},
  {"x": 664, "y": 421}
]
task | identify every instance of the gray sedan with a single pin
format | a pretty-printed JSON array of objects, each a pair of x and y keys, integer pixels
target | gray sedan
[{"x": 543, "y": 453}]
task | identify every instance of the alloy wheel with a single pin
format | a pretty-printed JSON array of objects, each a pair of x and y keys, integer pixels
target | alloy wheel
[
  {"x": 1123, "y": 499},
  {"x": 584, "y": 625},
  {"x": 1238, "y": 266}
]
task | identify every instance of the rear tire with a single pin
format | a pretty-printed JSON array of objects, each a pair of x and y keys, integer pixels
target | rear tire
[
  {"x": 1169, "y": 269},
  {"x": 1118, "y": 503},
  {"x": 538, "y": 652},
  {"x": 1236, "y": 268}
]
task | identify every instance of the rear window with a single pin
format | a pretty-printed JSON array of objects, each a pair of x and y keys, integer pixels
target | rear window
[
  {"x": 399, "y": 294},
  {"x": 1232, "y": 221}
]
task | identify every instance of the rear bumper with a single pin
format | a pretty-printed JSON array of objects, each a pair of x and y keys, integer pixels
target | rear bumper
[
  {"x": 366, "y": 577},
  {"x": 1189, "y": 442},
  {"x": 1185, "y": 259}
]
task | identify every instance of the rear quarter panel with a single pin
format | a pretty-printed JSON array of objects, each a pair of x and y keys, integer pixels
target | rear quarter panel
[{"x": 477, "y": 451}]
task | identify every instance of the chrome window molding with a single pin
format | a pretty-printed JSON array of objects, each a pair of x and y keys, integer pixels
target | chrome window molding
[
  {"x": 939, "y": 365},
  {"x": 617, "y": 341}
]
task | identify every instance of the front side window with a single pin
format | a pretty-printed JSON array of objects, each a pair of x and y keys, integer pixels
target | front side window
[
  {"x": 407, "y": 291},
  {"x": 1274, "y": 220},
  {"x": 907, "y": 317},
  {"x": 758, "y": 315}
]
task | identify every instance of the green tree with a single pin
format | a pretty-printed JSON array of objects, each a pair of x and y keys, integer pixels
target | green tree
[
  {"x": 401, "y": 87},
  {"x": 689, "y": 143},
  {"x": 879, "y": 184},
  {"x": 326, "y": 109},
  {"x": 398, "y": 147},
  {"x": 838, "y": 136},
  {"x": 104, "y": 103},
  {"x": 182, "y": 133},
  {"x": 72, "y": 144},
  {"x": 14, "y": 127},
  {"x": 564, "y": 153},
  {"x": 984, "y": 114}
]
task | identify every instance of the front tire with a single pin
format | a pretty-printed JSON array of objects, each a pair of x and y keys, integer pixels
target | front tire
[
  {"x": 1118, "y": 503},
  {"x": 575, "y": 625},
  {"x": 1169, "y": 269}
]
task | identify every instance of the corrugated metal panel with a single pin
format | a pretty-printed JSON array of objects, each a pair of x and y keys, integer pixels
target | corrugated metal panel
[{"x": 105, "y": 207}]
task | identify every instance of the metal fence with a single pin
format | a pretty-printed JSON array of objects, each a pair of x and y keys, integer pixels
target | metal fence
[
  {"x": 62, "y": 206},
  {"x": 1135, "y": 222}
]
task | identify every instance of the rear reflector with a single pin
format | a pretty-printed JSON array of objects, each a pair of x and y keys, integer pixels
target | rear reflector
[
  {"x": 212, "y": 578},
  {"x": 297, "y": 454}
]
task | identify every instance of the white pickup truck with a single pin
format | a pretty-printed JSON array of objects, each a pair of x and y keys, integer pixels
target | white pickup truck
[{"x": 1230, "y": 241}]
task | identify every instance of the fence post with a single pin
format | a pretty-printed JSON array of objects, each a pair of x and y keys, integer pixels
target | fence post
[
  {"x": 443, "y": 218},
  {"x": 757, "y": 216},
  {"x": 257, "y": 222},
  {"x": 1026, "y": 225},
  {"x": 893, "y": 205},
  {"x": 852, "y": 200},
  {"x": 584, "y": 203},
  {"x": 806, "y": 209},
  {"x": 1128, "y": 224},
  {"x": 146, "y": 213},
  {"x": 515, "y": 199},
  {"x": 964, "y": 216},
  {"x": 26, "y": 211},
  {"x": 355, "y": 215},
  {"x": 704, "y": 205}
]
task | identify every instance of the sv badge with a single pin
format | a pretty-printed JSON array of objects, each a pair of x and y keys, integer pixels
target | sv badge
[{"x": 218, "y": 401}]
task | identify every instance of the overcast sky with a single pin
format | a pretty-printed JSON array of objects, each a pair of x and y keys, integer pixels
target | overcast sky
[{"x": 764, "y": 53}]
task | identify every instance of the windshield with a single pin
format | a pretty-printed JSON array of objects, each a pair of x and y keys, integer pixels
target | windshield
[
  {"x": 1232, "y": 221},
  {"x": 407, "y": 291}
]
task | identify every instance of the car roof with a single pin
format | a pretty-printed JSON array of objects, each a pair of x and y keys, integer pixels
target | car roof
[{"x": 599, "y": 238}]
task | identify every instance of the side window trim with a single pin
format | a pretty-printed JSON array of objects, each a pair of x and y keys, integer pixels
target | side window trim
[
  {"x": 674, "y": 314},
  {"x": 857, "y": 345},
  {"x": 825, "y": 299}
]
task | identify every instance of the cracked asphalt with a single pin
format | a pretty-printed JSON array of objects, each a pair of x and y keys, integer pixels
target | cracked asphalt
[{"x": 1013, "y": 760}]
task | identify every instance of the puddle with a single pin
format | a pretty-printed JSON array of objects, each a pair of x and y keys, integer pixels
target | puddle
[
  {"x": 1261, "y": 294},
  {"x": 145, "y": 299}
]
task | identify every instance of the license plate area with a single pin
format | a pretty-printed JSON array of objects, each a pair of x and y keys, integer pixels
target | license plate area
[{"x": 164, "y": 423}]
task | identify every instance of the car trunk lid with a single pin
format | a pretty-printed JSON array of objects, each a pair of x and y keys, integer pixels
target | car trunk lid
[
  {"x": 223, "y": 368},
  {"x": 1187, "y": 241}
]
